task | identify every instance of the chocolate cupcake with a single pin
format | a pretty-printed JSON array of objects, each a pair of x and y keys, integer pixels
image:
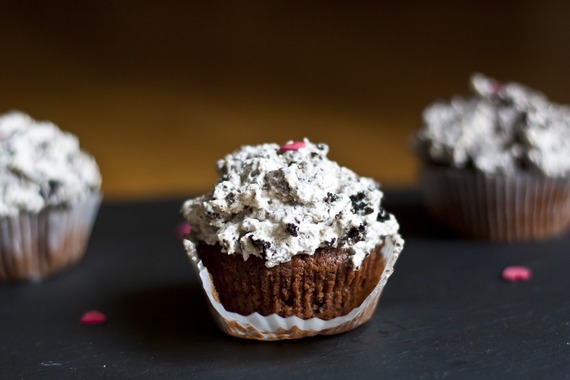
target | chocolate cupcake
[
  {"x": 289, "y": 244},
  {"x": 49, "y": 196},
  {"x": 496, "y": 163}
]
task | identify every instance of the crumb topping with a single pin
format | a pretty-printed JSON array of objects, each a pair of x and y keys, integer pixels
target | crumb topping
[
  {"x": 275, "y": 203},
  {"x": 41, "y": 166},
  {"x": 498, "y": 128}
]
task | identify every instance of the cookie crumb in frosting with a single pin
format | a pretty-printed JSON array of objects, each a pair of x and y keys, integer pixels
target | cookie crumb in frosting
[
  {"x": 498, "y": 128},
  {"x": 275, "y": 204},
  {"x": 41, "y": 166}
]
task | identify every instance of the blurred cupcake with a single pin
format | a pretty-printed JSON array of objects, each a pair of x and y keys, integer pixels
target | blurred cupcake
[
  {"x": 49, "y": 196},
  {"x": 496, "y": 163},
  {"x": 289, "y": 244}
]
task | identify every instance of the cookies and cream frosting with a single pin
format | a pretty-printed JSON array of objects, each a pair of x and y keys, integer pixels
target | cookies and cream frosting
[
  {"x": 41, "y": 166},
  {"x": 499, "y": 128},
  {"x": 275, "y": 203}
]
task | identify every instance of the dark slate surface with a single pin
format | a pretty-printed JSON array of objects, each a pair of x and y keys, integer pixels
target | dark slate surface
[{"x": 445, "y": 313}]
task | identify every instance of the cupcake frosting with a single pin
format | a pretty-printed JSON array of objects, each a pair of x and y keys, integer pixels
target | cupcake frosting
[
  {"x": 275, "y": 203},
  {"x": 498, "y": 128},
  {"x": 41, "y": 166}
]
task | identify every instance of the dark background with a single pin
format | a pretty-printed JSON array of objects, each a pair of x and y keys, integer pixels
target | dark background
[{"x": 159, "y": 90}]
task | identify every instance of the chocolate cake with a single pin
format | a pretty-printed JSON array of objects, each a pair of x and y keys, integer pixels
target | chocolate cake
[
  {"x": 323, "y": 285},
  {"x": 49, "y": 196},
  {"x": 496, "y": 162},
  {"x": 289, "y": 236}
]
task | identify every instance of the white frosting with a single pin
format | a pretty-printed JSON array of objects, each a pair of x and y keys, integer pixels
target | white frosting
[
  {"x": 41, "y": 166},
  {"x": 498, "y": 129},
  {"x": 275, "y": 205}
]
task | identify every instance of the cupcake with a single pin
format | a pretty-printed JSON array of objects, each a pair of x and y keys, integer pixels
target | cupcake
[
  {"x": 289, "y": 244},
  {"x": 496, "y": 163},
  {"x": 49, "y": 196}
]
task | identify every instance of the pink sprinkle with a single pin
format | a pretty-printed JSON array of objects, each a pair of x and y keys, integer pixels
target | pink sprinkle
[
  {"x": 495, "y": 87},
  {"x": 183, "y": 229},
  {"x": 292, "y": 146},
  {"x": 93, "y": 317},
  {"x": 516, "y": 273}
]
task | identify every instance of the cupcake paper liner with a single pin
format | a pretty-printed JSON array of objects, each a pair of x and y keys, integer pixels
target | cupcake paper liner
[
  {"x": 497, "y": 208},
  {"x": 34, "y": 246},
  {"x": 275, "y": 327}
]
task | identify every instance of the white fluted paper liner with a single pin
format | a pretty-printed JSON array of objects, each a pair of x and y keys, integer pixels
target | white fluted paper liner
[
  {"x": 504, "y": 208},
  {"x": 33, "y": 246},
  {"x": 275, "y": 327}
]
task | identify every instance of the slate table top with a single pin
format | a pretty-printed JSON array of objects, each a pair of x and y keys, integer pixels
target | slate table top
[{"x": 445, "y": 313}]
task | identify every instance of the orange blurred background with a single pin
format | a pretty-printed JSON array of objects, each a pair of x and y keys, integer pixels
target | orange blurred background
[{"x": 158, "y": 91}]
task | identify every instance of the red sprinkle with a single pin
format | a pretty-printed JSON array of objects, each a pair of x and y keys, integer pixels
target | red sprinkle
[
  {"x": 496, "y": 87},
  {"x": 292, "y": 146},
  {"x": 516, "y": 273},
  {"x": 183, "y": 229},
  {"x": 93, "y": 317}
]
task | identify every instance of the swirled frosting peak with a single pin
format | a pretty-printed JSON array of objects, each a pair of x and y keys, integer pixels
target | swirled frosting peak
[
  {"x": 41, "y": 166},
  {"x": 276, "y": 202},
  {"x": 498, "y": 128}
]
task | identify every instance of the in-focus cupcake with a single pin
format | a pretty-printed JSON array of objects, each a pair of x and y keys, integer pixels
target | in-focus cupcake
[
  {"x": 289, "y": 244},
  {"x": 496, "y": 163},
  {"x": 49, "y": 196}
]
